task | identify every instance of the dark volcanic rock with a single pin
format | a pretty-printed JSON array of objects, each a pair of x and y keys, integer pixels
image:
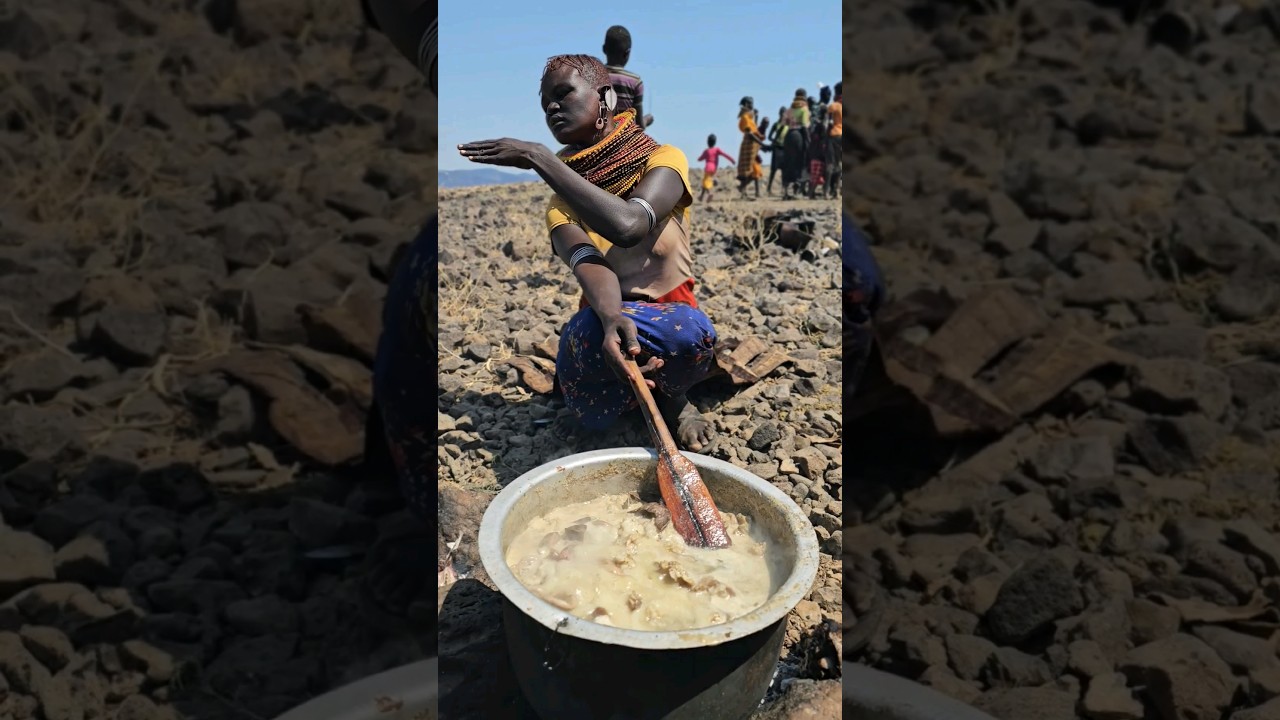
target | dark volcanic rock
[
  {"x": 1171, "y": 445},
  {"x": 1029, "y": 703},
  {"x": 1210, "y": 234},
  {"x": 262, "y": 615},
  {"x": 1172, "y": 386},
  {"x": 1249, "y": 292},
  {"x": 29, "y": 432},
  {"x": 1114, "y": 282},
  {"x": 130, "y": 337},
  {"x": 40, "y": 377},
  {"x": 1172, "y": 341},
  {"x": 25, "y": 560},
  {"x": 99, "y": 556},
  {"x": 1036, "y": 594},
  {"x": 1085, "y": 458},
  {"x": 1182, "y": 677}
]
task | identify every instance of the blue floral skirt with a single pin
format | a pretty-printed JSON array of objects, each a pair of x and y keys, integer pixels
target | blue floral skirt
[
  {"x": 863, "y": 294},
  {"x": 678, "y": 333},
  {"x": 405, "y": 383}
]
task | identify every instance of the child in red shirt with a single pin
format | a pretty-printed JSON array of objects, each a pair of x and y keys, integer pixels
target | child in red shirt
[{"x": 711, "y": 156}]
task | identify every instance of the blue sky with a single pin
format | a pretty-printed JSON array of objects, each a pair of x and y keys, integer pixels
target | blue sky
[{"x": 492, "y": 53}]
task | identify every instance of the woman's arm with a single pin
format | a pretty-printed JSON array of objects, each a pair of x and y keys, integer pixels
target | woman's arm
[
  {"x": 604, "y": 294},
  {"x": 623, "y": 223},
  {"x": 640, "y": 116},
  {"x": 599, "y": 283}
]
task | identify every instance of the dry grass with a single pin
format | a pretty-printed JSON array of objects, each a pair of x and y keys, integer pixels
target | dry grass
[
  {"x": 466, "y": 303},
  {"x": 1236, "y": 343},
  {"x": 73, "y": 160},
  {"x": 210, "y": 337}
]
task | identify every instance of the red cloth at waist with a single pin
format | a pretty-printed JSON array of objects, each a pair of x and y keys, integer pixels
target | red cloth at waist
[{"x": 682, "y": 294}]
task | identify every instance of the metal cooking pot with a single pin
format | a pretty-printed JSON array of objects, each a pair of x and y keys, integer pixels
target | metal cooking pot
[
  {"x": 409, "y": 692},
  {"x": 875, "y": 695},
  {"x": 569, "y": 667}
]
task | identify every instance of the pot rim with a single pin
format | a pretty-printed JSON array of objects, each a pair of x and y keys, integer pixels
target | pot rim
[
  {"x": 792, "y": 590},
  {"x": 878, "y": 694},
  {"x": 414, "y": 685}
]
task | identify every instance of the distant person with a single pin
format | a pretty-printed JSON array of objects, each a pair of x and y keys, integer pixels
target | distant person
[
  {"x": 796, "y": 146},
  {"x": 764, "y": 148},
  {"x": 778, "y": 154},
  {"x": 817, "y": 149},
  {"x": 835, "y": 135},
  {"x": 619, "y": 220},
  {"x": 749, "y": 169},
  {"x": 628, "y": 85},
  {"x": 823, "y": 103},
  {"x": 710, "y": 157}
]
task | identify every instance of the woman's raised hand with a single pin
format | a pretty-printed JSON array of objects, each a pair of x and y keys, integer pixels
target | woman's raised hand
[{"x": 506, "y": 152}]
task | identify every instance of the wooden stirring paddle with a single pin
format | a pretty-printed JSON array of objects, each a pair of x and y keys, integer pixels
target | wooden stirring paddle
[{"x": 693, "y": 512}]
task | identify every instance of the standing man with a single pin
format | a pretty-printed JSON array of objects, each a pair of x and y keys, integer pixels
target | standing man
[
  {"x": 749, "y": 167},
  {"x": 795, "y": 144},
  {"x": 778, "y": 159},
  {"x": 817, "y": 147},
  {"x": 628, "y": 85},
  {"x": 824, "y": 101}
]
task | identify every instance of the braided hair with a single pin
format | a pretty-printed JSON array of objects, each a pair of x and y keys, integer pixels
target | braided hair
[{"x": 589, "y": 67}]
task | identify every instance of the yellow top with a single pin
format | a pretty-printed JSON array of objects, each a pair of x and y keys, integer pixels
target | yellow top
[
  {"x": 660, "y": 262},
  {"x": 837, "y": 118}
]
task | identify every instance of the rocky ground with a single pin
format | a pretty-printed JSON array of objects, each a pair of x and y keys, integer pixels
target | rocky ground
[
  {"x": 503, "y": 299},
  {"x": 1090, "y": 533},
  {"x": 198, "y": 207}
]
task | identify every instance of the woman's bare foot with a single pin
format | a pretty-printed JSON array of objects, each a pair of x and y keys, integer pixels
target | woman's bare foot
[
  {"x": 566, "y": 428},
  {"x": 394, "y": 587},
  {"x": 693, "y": 432}
]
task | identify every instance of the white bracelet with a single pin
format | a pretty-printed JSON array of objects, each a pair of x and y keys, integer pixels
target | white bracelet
[
  {"x": 583, "y": 253},
  {"x": 653, "y": 218}
]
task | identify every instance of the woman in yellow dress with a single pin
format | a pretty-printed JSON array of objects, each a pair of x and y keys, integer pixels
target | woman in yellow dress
[
  {"x": 749, "y": 167},
  {"x": 619, "y": 219}
]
